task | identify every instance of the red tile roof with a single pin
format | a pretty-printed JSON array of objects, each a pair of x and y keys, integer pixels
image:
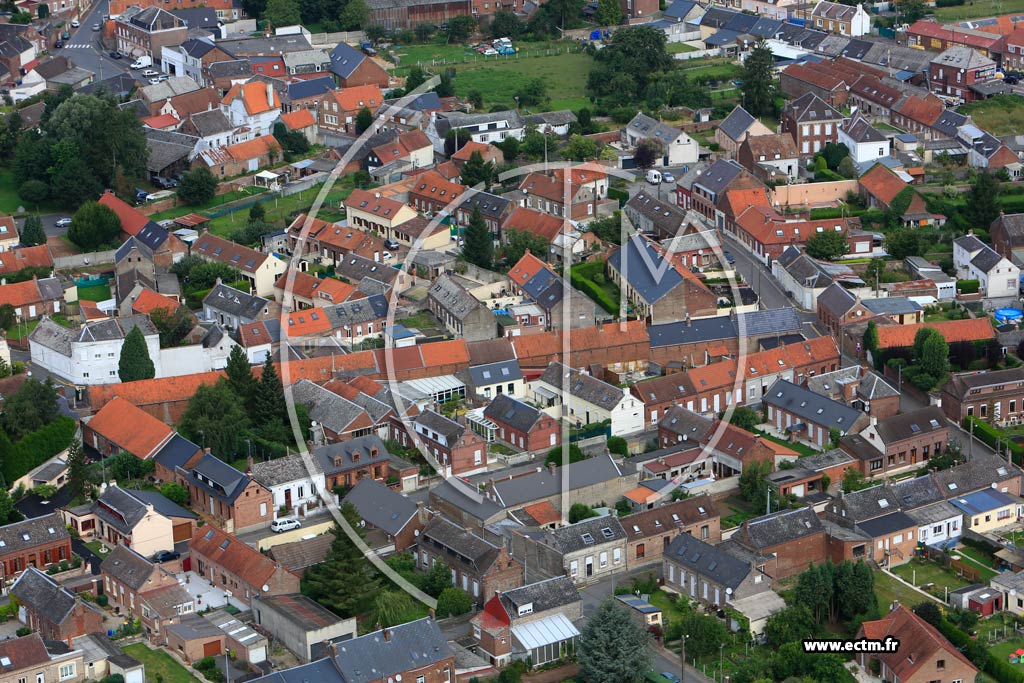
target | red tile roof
[
  {"x": 971, "y": 329},
  {"x": 161, "y": 121},
  {"x": 882, "y": 183},
  {"x": 254, "y": 95},
  {"x": 13, "y": 260},
  {"x": 130, "y": 427},
  {"x": 255, "y": 148},
  {"x": 20, "y": 294},
  {"x": 132, "y": 220},
  {"x": 298, "y": 119},
  {"x": 920, "y": 643},
  {"x": 149, "y": 301},
  {"x": 151, "y": 391},
  {"x": 540, "y": 224},
  {"x": 544, "y": 513},
  {"x": 219, "y": 249},
  {"x": 306, "y": 286},
  {"x": 526, "y": 268},
  {"x": 354, "y": 99},
  {"x": 233, "y": 555}
]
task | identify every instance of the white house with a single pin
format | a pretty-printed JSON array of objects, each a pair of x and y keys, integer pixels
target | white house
[
  {"x": 253, "y": 104},
  {"x": 940, "y": 523},
  {"x": 863, "y": 140},
  {"x": 489, "y": 127},
  {"x": 582, "y": 399},
  {"x": 90, "y": 354},
  {"x": 998, "y": 277},
  {"x": 845, "y": 20},
  {"x": 678, "y": 148},
  {"x": 296, "y": 488},
  {"x": 31, "y": 85}
]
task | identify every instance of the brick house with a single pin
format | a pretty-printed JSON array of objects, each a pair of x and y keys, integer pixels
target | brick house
[
  {"x": 804, "y": 415},
  {"x": 772, "y": 158},
  {"x": 996, "y": 395},
  {"x": 858, "y": 387},
  {"x": 147, "y": 31},
  {"x": 900, "y": 442},
  {"x": 346, "y": 463},
  {"x": 338, "y": 109},
  {"x": 127, "y": 575},
  {"x": 680, "y": 425},
  {"x": 708, "y": 574},
  {"x": 460, "y": 451},
  {"x": 586, "y": 551},
  {"x": 236, "y": 567},
  {"x": 649, "y": 533},
  {"x": 29, "y": 658},
  {"x": 226, "y": 496},
  {"x": 432, "y": 193},
  {"x": 1007, "y": 231},
  {"x": 33, "y": 299},
  {"x": 789, "y": 540},
  {"x": 812, "y": 122},
  {"x": 798, "y": 80},
  {"x": 924, "y": 655},
  {"x": 353, "y": 68},
  {"x": 157, "y": 245},
  {"x": 522, "y": 425},
  {"x": 385, "y": 510},
  {"x": 477, "y": 566},
  {"x": 953, "y": 72},
  {"x": 120, "y": 426},
  {"x": 240, "y": 158},
  {"x": 53, "y": 611},
  {"x": 550, "y": 606},
  {"x": 37, "y": 542}
]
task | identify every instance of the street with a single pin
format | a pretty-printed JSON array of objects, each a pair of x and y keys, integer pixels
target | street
[{"x": 85, "y": 50}]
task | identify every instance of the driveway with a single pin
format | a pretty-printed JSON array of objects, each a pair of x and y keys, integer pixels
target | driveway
[
  {"x": 88, "y": 556},
  {"x": 33, "y": 506}
]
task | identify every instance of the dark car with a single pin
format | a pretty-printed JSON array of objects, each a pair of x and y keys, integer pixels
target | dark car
[
  {"x": 166, "y": 556},
  {"x": 729, "y": 257},
  {"x": 116, "y": 55},
  {"x": 59, "y": 44}
]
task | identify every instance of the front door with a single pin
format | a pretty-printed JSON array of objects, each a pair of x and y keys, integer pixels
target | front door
[
  {"x": 288, "y": 498},
  {"x": 590, "y": 566}
]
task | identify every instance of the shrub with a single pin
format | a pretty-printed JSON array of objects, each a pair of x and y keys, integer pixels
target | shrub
[
  {"x": 967, "y": 286},
  {"x": 102, "y": 600},
  {"x": 23, "y": 631},
  {"x": 618, "y": 445}
]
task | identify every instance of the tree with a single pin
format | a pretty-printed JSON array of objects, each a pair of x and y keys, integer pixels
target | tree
[
  {"x": 854, "y": 480},
  {"x": 202, "y": 274},
  {"x": 614, "y": 648},
  {"x": 608, "y": 229},
  {"x": 636, "y": 52},
  {"x": 174, "y": 492},
  {"x": 814, "y": 590},
  {"x": 173, "y": 324},
  {"x": 239, "y": 375},
  {"x": 982, "y": 201},
  {"x": 609, "y": 13},
  {"x": 505, "y": 24},
  {"x": 477, "y": 171},
  {"x": 703, "y": 634},
  {"x": 746, "y": 418},
  {"x": 34, "y": 191},
  {"x": 792, "y": 624},
  {"x": 580, "y": 511},
  {"x": 364, "y": 119},
  {"x": 445, "y": 86},
  {"x": 292, "y": 141},
  {"x": 416, "y": 77},
  {"x": 93, "y": 226},
  {"x": 756, "y": 489},
  {"x": 437, "y": 579},
  {"x": 871, "y": 337},
  {"x": 922, "y": 336},
  {"x": 345, "y": 582},
  {"x": 534, "y": 93},
  {"x": 282, "y": 13},
  {"x": 909, "y": 11},
  {"x": 479, "y": 245},
  {"x": 647, "y": 153},
  {"x": 935, "y": 356},
  {"x": 580, "y": 148},
  {"x": 30, "y": 408},
  {"x": 78, "y": 478},
  {"x": 834, "y": 153},
  {"x": 32, "y": 232},
  {"x": 828, "y": 245},
  {"x": 847, "y": 168},
  {"x": 476, "y": 98},
  {"x": 452, "y": 602},
  {"x": 759, "y": 81},
  {"x": 460, "y": 28},
  {"x": 519, "y": 241},
  {"x": 215, "y": 419},
  {"x": 423, "y": 32},
  {"x": 269, "y": 411},
  {"x": 198, "y": 186},
  {"x": 536, "y": 145},
  {"x": 930, "y": 612},
  {"x": 903, "y": 242},
  {"x": 7, "y": 511},
  {"x": 135, "y": 363},
  {"x": 391, "y": 608},
  {"x": 354, "y": 16}
]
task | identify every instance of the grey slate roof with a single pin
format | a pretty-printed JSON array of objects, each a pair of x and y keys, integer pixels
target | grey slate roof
[
  {"x": 737, "y": 123},
  {"x": 454, "y": 297},
  {"x": 686, "y": 423},
  {"x": 492, "y": 373},
  {"x": 413, "y": 645},
  {"x": 176, "y": 452},
  {"x": 342, "y": 453},
  {"x": 665, "y": 215},
  {"x": 39, "y": 530},
  {"x": 692, "y": 331},
  {"x": 263, "y": 45},
  {"x": 235, "y": 302},
  {"x": 768, "y": 531},
  {"x": 42, "y": 594},
  {"x": 380, "y": 506},
  {"x": 329, "y": 409},
  {"x": 679, "y": 9},
  {"x": 934, "y": 513},
  {"x": 986, "y": 259},
  {"x": 769, "y": 321},
  {"x": 809, "y": 108},
  {"x": 887, "y": 524},
  {"x": 312, "y": 87},
  {"x": 718, "y": 175},
  {"x": 345, "y": 59},
  {"x": 192, "y": 627},
  {"x": 512, "y": 412},
  {"x": 128, "y": 567},
  {"x": 218, "y": 478},
  {"x": 210, "y": 122},
  {"x": 551, "y": 118},
  {"x": 707, "y": 560},
  {"x": 860, "y": 130},
  {"x": 585, "y": 534},
  {"x": 517, "y": 491},
  {"x": 436, "y": 422},
  {"x": 640, "y": 264},
  {"x": 552, "y": 593},
  {"x": 460, "y": 496},
  {"x": 893, "y": 305},
  {"x": 912, "y": 424},
  {"x": 357, "y": 311},
  {"x": 230, "y": 68},
  {"x": 582, "y": 386},
  {"x": 470, "y": 547},
  {"x": 811, "y": 407},
  {"x": 836, "y": 300},
  {"x": 281, "y": 470},
  {"x": 646, "y": 127}
]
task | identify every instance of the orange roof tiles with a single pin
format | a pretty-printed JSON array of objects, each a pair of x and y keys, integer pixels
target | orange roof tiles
[
  {"x": 971, "y": 329},
  {"x": 13, "y": 260},
  {"x": 488, "y": 152},
  {"x": 149, "y": 301},
  {"x": 150, "y": 391},
  {"x": 255, "y": 96},
  {"x": 445, "y": 353},
  {"x": 435, "y": 186},
  {"x": 924, "y": 111},
  {"x": 540, "y": 224},
  {"x": 252, "y": 149},
  {"x": 327, "y": 289},
  {"x": 354, "y": 99},
  {"x": 310, "y": 321},
  {"x": 882, "y": 183},
  {"x": 713, "y": 376},
  {"x": 130, "y": 427},
  {"x": 132, "y": 220},
  {"x": 738, "y": 201},
  {"x": 161, "y": 121},
  {"x": 233, "y": 555},
  {"x": 920, "y": 643},
  {"x": 545, "y": 513},
  {"x": 324, "y": 368},
  {"x": 298, "y": 119},
  {"x": 526, "y": 268},
  {"x": 363, "y": 200},
  {"x": 20, "y": 294}
]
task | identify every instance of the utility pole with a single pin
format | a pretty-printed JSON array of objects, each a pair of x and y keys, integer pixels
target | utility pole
[{"x": 682, "y": 668}]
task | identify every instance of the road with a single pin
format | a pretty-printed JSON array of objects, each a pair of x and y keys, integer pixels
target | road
[{"x": 85, "y": 50}]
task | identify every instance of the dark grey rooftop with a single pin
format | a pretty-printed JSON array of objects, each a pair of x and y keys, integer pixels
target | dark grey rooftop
[
  {"x": 585, "y": 534},
  {"x": 380, "y": 506},
  {"x": 707, "y": 561},
  {"x": 810, "y": 407},
  {"x": 512, "y": 493}
]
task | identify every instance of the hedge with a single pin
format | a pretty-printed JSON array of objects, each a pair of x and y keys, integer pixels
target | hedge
[
  {"x": 1000, "y": 670},
  {"x": 580, "y": 276},
  {"x": 968, "y": 286},
  {"x": 32, "y": 450},
  {"x": 988, "y": 434},
  {"x": 621, "y": 195}
]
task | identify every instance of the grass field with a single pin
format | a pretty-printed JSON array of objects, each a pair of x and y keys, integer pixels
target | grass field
[
  {"x": 1001, "y": 115},
  {"x": 440, "y": 51},
  {"x": 9, "y": 200},
  {"x": 219, "y": 200},
  {"x": 279, "y": 210},
  {"x": 160, "y": 665},
  {"x": 979, "y": 8},
  {"x": 565, "y": 75},
  {"x": 888, "y": 589},
  {"x": 679, "y": 48},
  {"x": 98, "y": 293},
  {"x": 929, "y": 572}
]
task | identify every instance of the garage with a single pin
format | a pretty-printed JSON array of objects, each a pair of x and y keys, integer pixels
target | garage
[{"x": 211, "y": 649}]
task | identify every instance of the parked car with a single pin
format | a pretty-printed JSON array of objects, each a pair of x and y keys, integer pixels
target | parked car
[
  {"x": 96, "y": 27},
  {"x": 154, "y": 81},
  {"x": 161, "y": 78},
  {"x": 116, "y": 55},
  {"x": 668, "y": 675},
  {"x": 391, "y": 244},
  {"x": 166, "y": 183},
  {"x": 729, "y": 257},
  {"x": 387, "y": 255},
  {"x": 166, "y": 556},
  {"x": 667, "y": 177},
  {"x": 59, "y": 44},
  {"x": 75, "y": 24},
  {"x": 63, "y": 223},
  {"x": 150, "y": 73},
  {"x": 283, "y": 524},
  {"x": 65, "y": 36}
]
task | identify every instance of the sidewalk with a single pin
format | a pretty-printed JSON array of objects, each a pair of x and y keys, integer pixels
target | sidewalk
[{"x": 673, "y": 657}]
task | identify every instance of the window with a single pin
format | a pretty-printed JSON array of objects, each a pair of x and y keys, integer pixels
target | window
[
  {"x": 421, "y": 679},
  {"x": 67, "y": 671},
  {"x": 940, "y": 664}
]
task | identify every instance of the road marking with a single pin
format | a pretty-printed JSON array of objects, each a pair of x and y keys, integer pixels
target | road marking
[{"x": 78, "y": 46}]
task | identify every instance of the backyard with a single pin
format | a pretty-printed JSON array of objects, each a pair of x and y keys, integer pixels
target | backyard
[
  {"x": 9, "y": 200},
  {"x": 219, "y": 200},
  {"x": 888, "y": 590},
  {"x": 979, "y": 8},
  {"x": 565, "y": 75},
  {"x": 999, "y": 115},
  {"x": 96, "y": 293},
  {"x": 280, "y": 209},
  {"x": 590, "y": 279},
  {"x": 159, "y": 665},
  {"x": 921, "y": 573}
]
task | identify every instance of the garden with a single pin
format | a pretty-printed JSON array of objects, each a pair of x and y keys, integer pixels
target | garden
[
  {"x": 160, "y": 666},
  {"x": 590, "y": 279}
]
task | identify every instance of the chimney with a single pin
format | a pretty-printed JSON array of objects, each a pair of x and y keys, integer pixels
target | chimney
[
  {"x": 874, "y": 421},
  {"x": 206, "y": 450},
  {"x": 689, "y": 323},
  {"x": 248, "y": 469},
  {"x": 849, "y": 391},
  {"x": 270, "y": 95}
]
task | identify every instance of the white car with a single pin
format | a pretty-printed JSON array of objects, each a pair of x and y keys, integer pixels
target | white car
[
  {"x": 490, "y": 52},
  {"x": 283, "y": 524},
  {"x": 63, "y": 223},
  {"x": 150, "y": 73},
  {"x": 75, "y": 24}
]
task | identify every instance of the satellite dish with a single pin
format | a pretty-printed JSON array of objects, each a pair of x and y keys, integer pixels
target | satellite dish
[
  {"x": 265, "y": 588},
  {"x": 728, "y": 591}
]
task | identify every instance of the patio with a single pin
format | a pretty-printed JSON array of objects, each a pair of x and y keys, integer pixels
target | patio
[{"x": 207, "y": 595}]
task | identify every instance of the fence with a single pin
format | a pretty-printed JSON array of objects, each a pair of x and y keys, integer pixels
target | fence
[
  {"x": 698, "y": 54},
  {"x": 82, "y": 260},
  {"x": 332, "y": 39},
  {"x": 477, "y": 57}
]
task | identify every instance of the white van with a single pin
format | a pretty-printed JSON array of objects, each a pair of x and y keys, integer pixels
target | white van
[
  {"x": 653, "y": 177},
  {"x": 142, "y": 62}
]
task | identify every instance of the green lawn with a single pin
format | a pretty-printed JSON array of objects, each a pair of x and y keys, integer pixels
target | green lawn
[
  {"x": 679, "y": 48},
  {"x": 419, "y": 321},
  {"x": 439, "y": 51},
  {"x": 280, "y": 209},
  {"x": 219, "y": 200},
  {"x": 1001, "y": 115},
  {"x": 929, "y": 572},
  {"x": 95, "y": 547},
  {"x": 1016, "y": 537},
  {"x": 160, "y": 664},
  {"x": 721, "y": 70},
  {"x": 1002, "y": 650},
  {"x": 802, "y": 449},
  {"x": 17, "y": 331},
  {"x": 889, "y": 589},
  {"x": 9, "y": 200},
  {"x": 97, "y": 293},
  {"x": 979, "y": 8},
  {"x": 565, "y": 75},
  {"x": 977, "y": 559}
]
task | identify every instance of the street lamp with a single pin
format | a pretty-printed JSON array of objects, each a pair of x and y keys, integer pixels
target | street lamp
[{"x": 682, "y": 668}]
